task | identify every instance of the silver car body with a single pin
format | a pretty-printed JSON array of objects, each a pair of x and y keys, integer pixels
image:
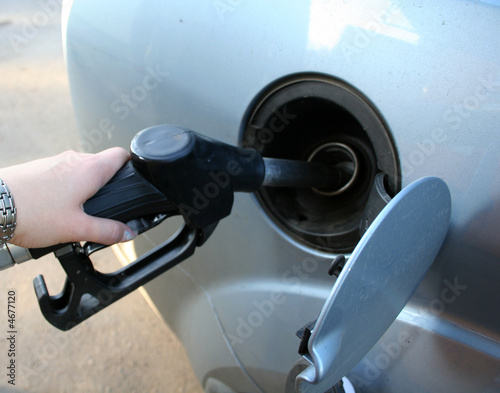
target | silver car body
[{"x": 431, "y": 69}]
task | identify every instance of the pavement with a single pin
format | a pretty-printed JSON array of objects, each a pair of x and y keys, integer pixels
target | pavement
[{"x": 125, "y": 348}]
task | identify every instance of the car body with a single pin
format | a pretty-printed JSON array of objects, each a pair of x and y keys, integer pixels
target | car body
[{"x": 428, "y": 75}]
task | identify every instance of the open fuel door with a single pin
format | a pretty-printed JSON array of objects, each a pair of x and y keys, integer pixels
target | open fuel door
[{"x": 375, "y": 284}]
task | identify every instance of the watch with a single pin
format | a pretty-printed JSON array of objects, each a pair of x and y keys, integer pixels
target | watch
[{"x": 7, "y": 214}]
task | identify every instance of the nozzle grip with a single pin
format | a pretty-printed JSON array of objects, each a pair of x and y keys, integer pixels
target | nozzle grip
[{"x": 128, "y": 196}]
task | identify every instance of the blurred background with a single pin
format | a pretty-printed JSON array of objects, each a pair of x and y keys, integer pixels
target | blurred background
[{"x": 125, "y": 348}]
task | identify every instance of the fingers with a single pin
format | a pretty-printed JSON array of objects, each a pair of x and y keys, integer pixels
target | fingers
[
  {"x": 113, "y": 159},
  {"x": 104, "y": 231},
  {"x": 49, "y": 194},
  {"x": 108, "y": 231},
  {"x": 105, "y": 164},
  {"x": 96, "y": 171}
]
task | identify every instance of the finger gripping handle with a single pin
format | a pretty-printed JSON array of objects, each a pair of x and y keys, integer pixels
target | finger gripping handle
[{"x": 127, "y": 196}]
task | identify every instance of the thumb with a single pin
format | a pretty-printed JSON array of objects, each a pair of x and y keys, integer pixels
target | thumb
[{"x": 106, "y": 231}]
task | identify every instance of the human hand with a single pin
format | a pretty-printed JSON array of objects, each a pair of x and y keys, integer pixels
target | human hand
[{"x": 49, "y": 195}]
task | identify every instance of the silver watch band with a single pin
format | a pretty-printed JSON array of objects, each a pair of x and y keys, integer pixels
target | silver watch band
[{"x": 7, "y": 213}]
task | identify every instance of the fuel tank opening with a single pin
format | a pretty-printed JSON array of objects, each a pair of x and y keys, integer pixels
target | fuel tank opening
[
  {"x": 340, "y": 158},
  {"x": 320, "y": 119}
]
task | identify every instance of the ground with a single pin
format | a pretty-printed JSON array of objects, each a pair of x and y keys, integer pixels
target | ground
[{"x": 125, "y": 348}]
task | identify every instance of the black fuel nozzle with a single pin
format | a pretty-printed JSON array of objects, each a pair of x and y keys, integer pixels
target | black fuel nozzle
[
  {"x": 173, "y": 171},
  {"x": 199, "y": 175}
]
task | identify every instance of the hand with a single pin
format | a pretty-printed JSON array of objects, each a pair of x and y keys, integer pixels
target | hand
[{"x": 49, "y": 194}]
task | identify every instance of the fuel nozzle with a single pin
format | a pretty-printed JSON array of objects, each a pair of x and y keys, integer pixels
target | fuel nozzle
[{"x": 200, "y": 175}]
